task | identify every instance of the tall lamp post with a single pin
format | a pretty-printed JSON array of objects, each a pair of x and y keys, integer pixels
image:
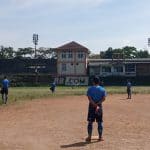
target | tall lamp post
[
  {"x": 35, "y": 42},
  {"x": 148, "y": 42}
]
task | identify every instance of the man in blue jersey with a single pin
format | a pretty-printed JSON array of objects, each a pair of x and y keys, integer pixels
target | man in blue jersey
[
  {"x": 96, "y": 96},
  {"x": 129, "y": 89},
  {"x": 53, "y": 86},
  {"x": 4, "y": 90}
]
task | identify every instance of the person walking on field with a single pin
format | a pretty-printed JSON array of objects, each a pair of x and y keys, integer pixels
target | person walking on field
[
  {"x": 4, "y": 90},
  {"x": 129, "y": 89},
  {"x": 96, "y": 95}
]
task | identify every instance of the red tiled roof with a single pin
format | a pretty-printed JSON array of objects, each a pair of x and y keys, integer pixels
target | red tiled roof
[{"x": 72, "y": 46}]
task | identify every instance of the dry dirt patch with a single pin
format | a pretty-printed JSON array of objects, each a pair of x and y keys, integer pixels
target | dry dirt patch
[{"x": 59, "y": 124}]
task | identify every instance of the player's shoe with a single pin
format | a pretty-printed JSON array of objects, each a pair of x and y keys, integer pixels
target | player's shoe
[
  {"x": 88, "y": 139},
  {"x": 100, "y": 139}
]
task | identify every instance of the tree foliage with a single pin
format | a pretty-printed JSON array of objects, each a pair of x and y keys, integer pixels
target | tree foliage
[
  {"x": 128, "y": 52},
  {"x": 42, "y": 52},
  {"x": 46, "y": 53},
  {"x": 6, "y": 52},
  {"x": 24, "y": 52},
  {"x": 143, "y": 54}
]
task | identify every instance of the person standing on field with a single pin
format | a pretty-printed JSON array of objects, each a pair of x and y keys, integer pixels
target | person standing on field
[
  {"x": 129, "y": 89},
  {"x": 4, "y": 90},
  {"x": 53, "y": 86},
  {"x": 96, "y": 95}
]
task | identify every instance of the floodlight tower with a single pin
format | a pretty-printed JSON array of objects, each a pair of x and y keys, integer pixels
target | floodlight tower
[
  {"x": 35, "y": 42},
  {"x": 148, "y": 42}
]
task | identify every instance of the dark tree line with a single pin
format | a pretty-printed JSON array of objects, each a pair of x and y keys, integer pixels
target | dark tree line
[
  {"x": 126, "y": 52},
  {"x": 28, "y": 52},
  {"x": 46, "y": 53}
]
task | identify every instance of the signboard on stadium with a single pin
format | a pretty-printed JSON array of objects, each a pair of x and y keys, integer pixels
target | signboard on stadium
[{"x": 76, "y": 81}]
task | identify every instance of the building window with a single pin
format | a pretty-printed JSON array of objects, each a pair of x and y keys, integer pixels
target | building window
[
  {"x": 80, "y": 54},
  {"x": 63, "y": 55},
  {"x": 130, "y": 68},
  {"x": 64, "y": 67},
  {"x": 70, "y": 54},
  {"x": 118, "y": 69},
  {"x": 106, "y": 69}
]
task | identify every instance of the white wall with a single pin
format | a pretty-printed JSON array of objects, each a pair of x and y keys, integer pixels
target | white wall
[
  {"x": 69, "y": 69},
  {"x": 80, "y": 69},
  {"x": 74, "y": 65}
]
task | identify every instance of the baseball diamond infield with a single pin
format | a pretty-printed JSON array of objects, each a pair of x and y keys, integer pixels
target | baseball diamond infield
[{"x": 60, "y": 123}]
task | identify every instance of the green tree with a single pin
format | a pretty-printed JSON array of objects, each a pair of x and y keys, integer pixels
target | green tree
[
  {"x": 143, "y": 54},
  {"x": 129, "y": 52},
  {"x": 102, "y": 54},
  {"x": 46, "y": 53},
  {"x": 94, "y": 56},
  {"x": 109, "y": 53},
  {"x": 6, "y": 52},
  {"x": 106, "y": 54},
  {"x": 24, "y": 52}
]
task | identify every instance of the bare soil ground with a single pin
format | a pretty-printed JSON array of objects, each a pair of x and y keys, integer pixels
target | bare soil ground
[{"x": 60, "y": 123}]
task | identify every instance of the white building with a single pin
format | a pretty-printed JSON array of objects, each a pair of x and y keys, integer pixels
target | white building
[
  {"x": 72, "y": 60},
  {"x": 72, "y": 64}
]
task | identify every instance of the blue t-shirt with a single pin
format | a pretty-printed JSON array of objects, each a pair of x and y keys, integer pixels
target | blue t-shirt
[
  {"x": 96, "y": 93},
  {"x": 5, "y": 83},
  {"x": 53, "y": 85},
  {"x": 129, "y": 85}
]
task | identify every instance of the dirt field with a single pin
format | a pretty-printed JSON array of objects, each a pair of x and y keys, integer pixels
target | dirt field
[{"x": 60, "y": 123}]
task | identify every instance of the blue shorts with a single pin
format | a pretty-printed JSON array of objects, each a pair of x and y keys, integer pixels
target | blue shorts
[
  {"x": 4, "y": 91},
  {"x": 93, "y": 115}
]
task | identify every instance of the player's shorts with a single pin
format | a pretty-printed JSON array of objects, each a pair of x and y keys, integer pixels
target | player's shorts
[
  {"x": 52, "y": 89},
  {"x": 128, "y": 90},
  {"x": 4, "y": 91},
  {"x": 93, "y": 115}
]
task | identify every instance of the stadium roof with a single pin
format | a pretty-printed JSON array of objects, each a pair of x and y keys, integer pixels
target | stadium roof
[{"x": 93, "y": 62}]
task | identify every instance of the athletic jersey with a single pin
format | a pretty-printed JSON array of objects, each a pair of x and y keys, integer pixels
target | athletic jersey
[
  {"x": 128, "y": 85},
  {"x": 53, "y": 85},
  {"x": 96, "y": 93},
  {"x": 5, "y": 83}
]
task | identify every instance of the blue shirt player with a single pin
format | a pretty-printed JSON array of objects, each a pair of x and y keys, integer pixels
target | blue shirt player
[
  {"x": 96, "y": 95},
  {"x": 53, "y": 86},
  {"x": 129, "y": 89},
  {"x": 4, "y": 90}
]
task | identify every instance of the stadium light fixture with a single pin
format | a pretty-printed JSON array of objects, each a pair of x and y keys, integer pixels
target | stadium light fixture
[
  {"x": 148, "y": 42},
  {"x": 35, "y": 42}
]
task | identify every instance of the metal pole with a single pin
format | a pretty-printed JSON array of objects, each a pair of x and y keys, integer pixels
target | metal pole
[
  {"x": 35, "y": 41},
  {"x": 35, "y": 52}
]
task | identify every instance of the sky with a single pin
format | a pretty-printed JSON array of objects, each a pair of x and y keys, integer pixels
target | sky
[{"x": 95, "y": 24}]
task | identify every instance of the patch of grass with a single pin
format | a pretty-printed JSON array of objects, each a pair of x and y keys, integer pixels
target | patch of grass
[
  {"x": 30, "y": 93},
  {"x": 122, "y": 89}
]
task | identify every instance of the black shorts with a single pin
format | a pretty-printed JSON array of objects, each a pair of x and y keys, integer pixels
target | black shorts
[
  {"x": 4, "y": 91},
  {"x": 93, "y": 115},
  {"x": 128, "y": 91},
  {"x": 52, "y": 89}
]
